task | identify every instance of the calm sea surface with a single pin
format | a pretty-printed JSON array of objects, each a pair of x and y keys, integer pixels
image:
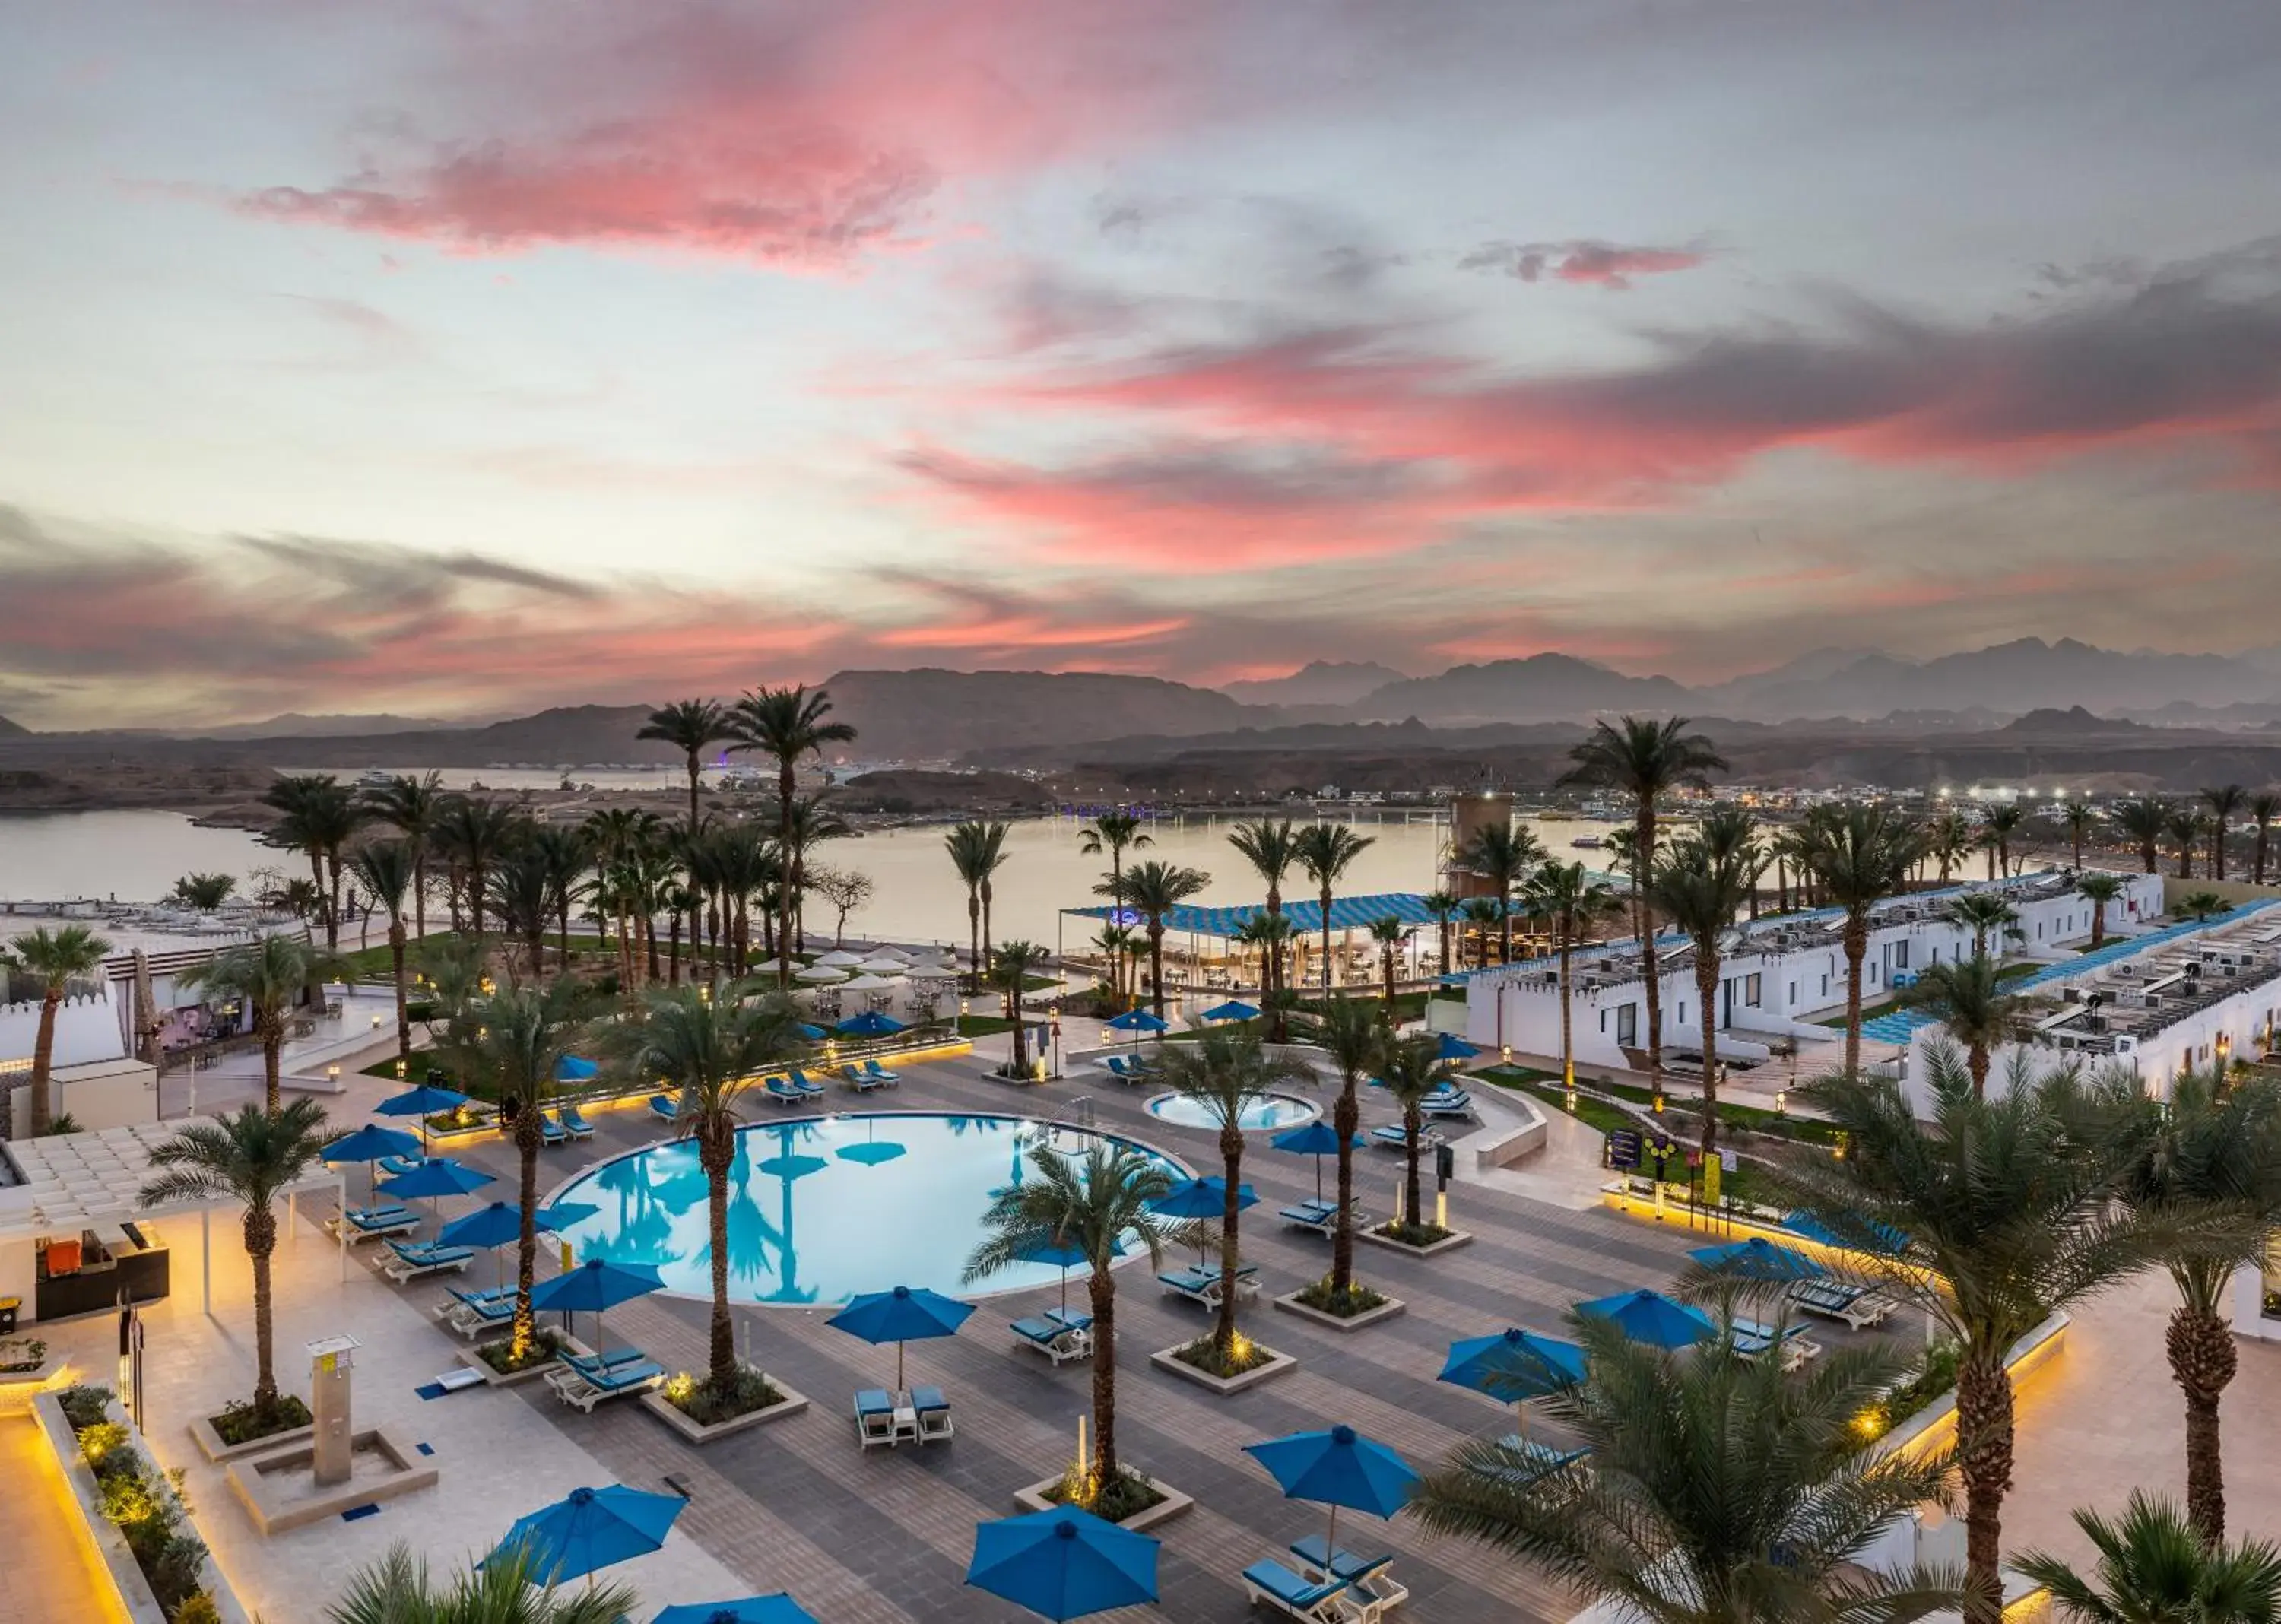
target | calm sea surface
[{"x": 137, "y": 857}]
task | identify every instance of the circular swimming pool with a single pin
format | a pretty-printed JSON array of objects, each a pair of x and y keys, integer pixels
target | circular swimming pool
[
  {"x": 822, "y": 1208},
  {"x": 1274, "y": 1111}
]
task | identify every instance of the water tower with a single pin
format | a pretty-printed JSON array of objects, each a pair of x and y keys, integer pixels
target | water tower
[{"x": 1471, "y": 812}]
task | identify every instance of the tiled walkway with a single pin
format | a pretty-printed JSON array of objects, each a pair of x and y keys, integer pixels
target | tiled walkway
[{"x": 47, "y": 1574}]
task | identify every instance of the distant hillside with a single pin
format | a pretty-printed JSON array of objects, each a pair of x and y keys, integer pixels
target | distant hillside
[
  {"x": 293, "y": 724},
  {"x": 1320, "y": 682},
  {"x": 2073, "y": 719},
  {"x": 937, "y": 716},
  {"x": 2014, "y": 677},
  {"x": 1541, "y": 688},
  {"x": 11, "y": 729}
]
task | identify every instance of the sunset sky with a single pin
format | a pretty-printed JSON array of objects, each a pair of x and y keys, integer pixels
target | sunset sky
[{"x": 453, "y": 359}]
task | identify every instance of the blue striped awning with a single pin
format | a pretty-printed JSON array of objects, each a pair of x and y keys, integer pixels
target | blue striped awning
[{"x": 1346, "y": 913}]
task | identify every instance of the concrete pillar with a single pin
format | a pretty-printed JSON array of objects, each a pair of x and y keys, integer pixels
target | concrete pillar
[{"x": 329, "y": 1363}]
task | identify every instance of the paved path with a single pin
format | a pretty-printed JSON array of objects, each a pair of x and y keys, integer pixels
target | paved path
[{"x": 47, "y": 1573}]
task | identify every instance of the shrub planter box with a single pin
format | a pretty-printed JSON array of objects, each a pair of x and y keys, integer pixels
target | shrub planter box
[
  {"x": 1168, "y": 1359},
  {"x": 213, "y": 1448},
  {"x": 482, "y": 1366},
  {"x": 1034, "y": 1498},
  {"x": 1386, "y": 1310},
  {"x": 790, "y": 1404},
  {"x": 135, "y": 1601},
  {"x": 17, "y": 1386},
  {"x": 1450, "y": 1242}
]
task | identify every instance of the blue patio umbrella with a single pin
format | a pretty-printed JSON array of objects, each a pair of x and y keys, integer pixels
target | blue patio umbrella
[
  {"x": 871, "y": 1023},
  {"x": 501, "y": 1223},
  {"x": 1515, "y": 1365},
  {"x": 907, "y": 1314},
  {"x": 594, "y": 1286},
  {"x": 591, "y": 1529},
  {"x": 807, "y": 1033},
  {"x": 439, "y": 1176},
  {"x": 774, "y": 1609},
  {"x": 1233, "y": 1009},
  {"x": 1454, "y": 1048},
  {"x": 1652, "y": 1318},
  {"x": 369, "y": 1143},
  {"x": 1066, "y": 1256},
  {"x": 424, "y": 1101},
  {"x": 1139, "y": 1021},
  {"x": 1317, "y": 1139},
  {"x": 1199, "y": 1198},
  {"x": 1063, "y": 1564},
  {"x": 1758, "y": 1258},
  {"x": 576, "y": 1069},
  {"x": 1337, "y": 1467}
]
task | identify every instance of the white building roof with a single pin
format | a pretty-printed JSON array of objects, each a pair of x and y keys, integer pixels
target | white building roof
[{"x": 74, "y": 1181}]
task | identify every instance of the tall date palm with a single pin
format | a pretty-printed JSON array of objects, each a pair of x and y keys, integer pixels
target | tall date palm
[{"x": 1326, "y": 851}]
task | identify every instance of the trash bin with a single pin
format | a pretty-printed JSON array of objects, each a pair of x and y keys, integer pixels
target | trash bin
[{"x": 8, "y": 1307}]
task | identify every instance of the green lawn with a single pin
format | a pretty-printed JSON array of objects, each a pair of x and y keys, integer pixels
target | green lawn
[{"x": 1595, "y": 1114}]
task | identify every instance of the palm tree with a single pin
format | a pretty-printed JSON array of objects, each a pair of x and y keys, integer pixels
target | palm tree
[
  {"x": 204, "y": 891},
  {"x": 1996, "y": 832},
  {"x": 1731, "y": 830},
  {"x": 1481, "y": 913},
  {"x": 1113, "y": 832},
  {"x": 708, "y": 1046},
  {"x": 1271, "y": 846},
  {"x": 2215, "y": 1150},
  {"x": 520, "y": 893},
  {"x": 301, "y": 826},
  {"x": 616, "y": 839},
  {"x": 1568, "y": 895},
  {"x": 521, "y": 1037},
  {"x": 2155, "y": 1565},
  {"x": 810, "y": 825},
  {"x": 689, "y": 725},
  {"x": 504, "y": 1590},
  {"x": 253, "y": 1157},
  {"x": 1272, "y": 934},
  {"x": 563, "y": 857},
  {"x": 1094, "y": 1205},
  {"x": 2184, "y": 825},
  {"x": 1644, "y": 760},
  {"x": 384, "y": 869},
  {"x": 1117, "y": 944},
  {"x": 1700, "y": 889},
  {"x": 2100, "y": 891},
  {"x": 2077, "y": 817},
  {"x": 1502, "y": 854},
  {"x": 267, "y": 977},
  {"x": 2199, "y": 904},
  {"x": 2006, "y": 1210},
  {"x": 2264, "y": 805},
  {"x": 786, "y": 724},
  {"x": 1388, "y": 933},
  {"x": 1985, "y": 914},
  {"x": 1411, "y": 1068},
  {"x": 1227, "y": 1072},
  {"x": 1715, "y": 1490},
  {"x": 55, "y": 959},
  {"x": 475, "y": 833},
  {"x": 2224, "y": 802},
  {"x": 414, "y": 808},
  {"x": 1968, "y": 998},
  {"x": 977, "y": 850},
  {"x": 1443, "y": 906},
  {"x": 1154, "y": 889},
  {"x": 1947, "y": 841},
  {"x": 1011, "y": 967},
  {"x": 1326, "y": 851},
  {"x": 1862, "y": 855},
  {"x": 2144, "y": 819},
  {"x": 1349, "y": 1034}
]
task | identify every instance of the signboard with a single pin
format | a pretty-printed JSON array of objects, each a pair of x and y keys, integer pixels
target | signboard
[{"x": 1624, "y": 1148}]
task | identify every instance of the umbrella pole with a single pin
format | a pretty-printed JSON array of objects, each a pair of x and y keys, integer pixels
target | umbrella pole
[
  {"x": 898, "y": 1369},
  {"x": 1331, "y": 1549}
]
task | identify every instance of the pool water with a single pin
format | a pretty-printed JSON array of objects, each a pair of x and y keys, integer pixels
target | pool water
[
  {"x": 821, "y": 1209},
  {"x": 1276, "y": 1111}
]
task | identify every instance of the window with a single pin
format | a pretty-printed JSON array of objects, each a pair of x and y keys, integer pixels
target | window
[
  {"x": 1793, "y": 995},
  {"x": 1750, "y": 991},
  {"x": 1825, "y": 986},
  {"x": 1627, "y": 1026},
  {"x": 1935, "y": 952},
  {"x": 1901, "y": 954}
]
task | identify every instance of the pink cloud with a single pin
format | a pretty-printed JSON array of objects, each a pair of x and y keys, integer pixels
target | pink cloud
[
  {"x": 790, "y": 134},
  {"x": 1611, "y": 266}
]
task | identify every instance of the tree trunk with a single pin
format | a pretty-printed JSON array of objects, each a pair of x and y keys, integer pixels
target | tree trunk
[
  {"x": 1156, "y": 963},
  {"x": 2185, "y": 860},
  {"x": 419, "y": 892},
  {"x": 1386, "y": 956},
  {"x": 1643, "y": 865},
  {"x": 403, "y": 999},
  {"x": 333, "y": 903},
  {"x": 1412, "y": 1194},
  {"x": 1505, "y": 923},
  {"x": 2203, "y": 1362},
  {"x": 692, "y": 790},
  {"x": 783, "y": 853},
  {"x": 1326, "y": 900},
  {"x": 1102, "y": 1288},
  {"x": 2098, "y": 924},
  {"x": 527, "y": 1140},
  {"x": 260, "y": 1242},
  {"x": 2259, "y": 877},
  {"x": 986, "y": 919},
  {"x": 1983, "y": 1410},
  {"x": 717, "y": 1152},
  {"x": 673, "y": 958},
  {"x": 273, "y": 1040},
  {"x": 1857, "y": 947},
  {"x": 1975, "y": 1062},
  {"x": 1706, "y": 988},
  {"x": 44, "y": 1063},
  {"x": 1346, "y": 1117},
  {"x": 1231, "y": 1153},
  {"x": 974, "y": 937}
]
